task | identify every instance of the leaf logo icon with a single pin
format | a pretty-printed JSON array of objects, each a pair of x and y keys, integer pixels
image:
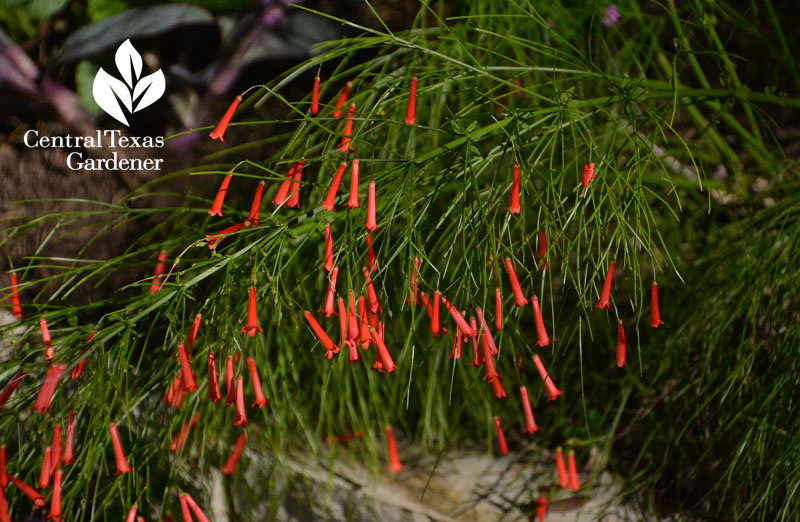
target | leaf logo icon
[{"x": 135, "y": 93}]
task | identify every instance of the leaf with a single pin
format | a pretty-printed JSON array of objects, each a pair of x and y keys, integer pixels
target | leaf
[
  {"x": 38, "y": 9},
  {"x": 126, "y": 57},
  {"x": 108, "y": 33},
  {"x": 152, "y": 86},
  {"x": 84, "y": 79},
  {"x": 108, "y": 92},
  {"x": 99, "y": 9}
]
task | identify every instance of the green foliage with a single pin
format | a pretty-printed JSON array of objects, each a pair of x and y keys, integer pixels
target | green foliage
[
  {"x": 731, "y": 354},
  {"x": 498, "y": 85}
]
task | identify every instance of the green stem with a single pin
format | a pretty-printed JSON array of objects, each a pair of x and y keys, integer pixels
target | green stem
[
  {"x": 708, "y": 25},
  {"x": 787, "y": 54}
]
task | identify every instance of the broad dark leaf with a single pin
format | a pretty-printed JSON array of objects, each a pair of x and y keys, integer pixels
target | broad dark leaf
[{"x": 108, "y": 33}]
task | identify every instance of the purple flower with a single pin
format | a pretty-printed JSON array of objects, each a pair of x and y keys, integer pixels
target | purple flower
[{"x": 611, "y": 16}]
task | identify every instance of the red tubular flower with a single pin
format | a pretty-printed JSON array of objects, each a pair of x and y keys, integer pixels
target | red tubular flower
[
  {"x": 435, "y": 314},
  {"x": 180, "y": 438},
  {"x": 327, "y": 203},
  {"x": 372, "y": 297},
  {"x": 455, "y": 347},
  {"x": 383, "y": 360},
  {"x": 3, "y": 474},
  {"x": 213, "y": 384},
  {"x": 427, "y": 304},
  {"x": 655, "y": 318},
  {"x": 561, "y": 469},
  {"x": 344, "y": 145},
  {"x": 327, "y": 308},
  {"x": 48, "y": 353},
  {"x": 363, "y": 326},
  {"x": 378, "y": 364},
  {"x": 78, "y": 369},
  {"x": 3, "y": 508},
  {"x": 458, "y": 318},
  {"x": 241, "y": 416},
  {"x": 214, "y": 239},
  {"x": 587, "y": 175},
  {"x": 219, "y": 130},
  {"x": 131, "y": 514},
  {"x": 552, "y": 391},
  {"x": 255, "y": 206},
  {"x": 187, "y": 515},
  {"x": 352, "y": 202},
  {"x": 252, "y": 318},
  {"x": 55, "y": 453},
  {"x": 488, "y": 360},
  {"x": 315, "y": 96},
  {"x": 501, "y": 437},
  {"x": 498, "y": 309},
  {"x": 155, "y": 286},
  {"x": 260, "y": 400},
  {"x": 192, "y": 335},
  {"x": 68, "y": 456},
  {"x": 605, "y": 294},
  {"x": 196, "y": 509},
  {"x": 341, "y": 100},
  {"x": 620, "y": 344},
  {"x": 119, "y": 453},
  {"x": 343, "y": 320},
  {"x": 412, "y": 284},
  {"x": 530, "y": 423},
  {"x": 187, "y": 379},
  {"x": 370, "y": 253},
  {"x": 328, "y": 248},
  {"x": 230, "y": 464},
  {"x": 216, "y": 207},
  {"x": 541, "y": 508},
  {"x": 412, "y": 101},
  {"x": 519, "y": 297},
  {"x": 372, "y": 318},
  {"x": 352, "y": 322},
  {"x": 175, "y": 394},
  {"x": 48, "y": 388},
  {"x": 541, "y": 333},
  {"x": 394, "y": 461},
  {"x": 283, "y": 189},
  {"x": 44, "y": 472},
  {"x": 28, "y": 491},
  {"x": 343, "y": 439},
  {"x": 475, "y": 351},
  {"x": 574, "y": 483},
  {"x": 294, "y": 190},
  {"x": 326, "y": 342},
  {"x": 484, "y": 331},
  {"x": 230, "y": 383},
  {"x": 55, "y": 498},
  {"x": 541, "y": 250},
  {"x": 513, "y": 204},
  {"x": 16, "y": 308},
  {"x": 371, "y": 223},
  {"x": 45, "y": 333},
  {"x": 499, "y": 392}
]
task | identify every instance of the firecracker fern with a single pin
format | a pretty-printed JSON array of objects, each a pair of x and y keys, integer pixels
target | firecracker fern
[{"x": 547, "y": 88}]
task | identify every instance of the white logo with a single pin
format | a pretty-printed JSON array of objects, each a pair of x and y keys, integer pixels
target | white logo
[{"x": 108, "y": 91}]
